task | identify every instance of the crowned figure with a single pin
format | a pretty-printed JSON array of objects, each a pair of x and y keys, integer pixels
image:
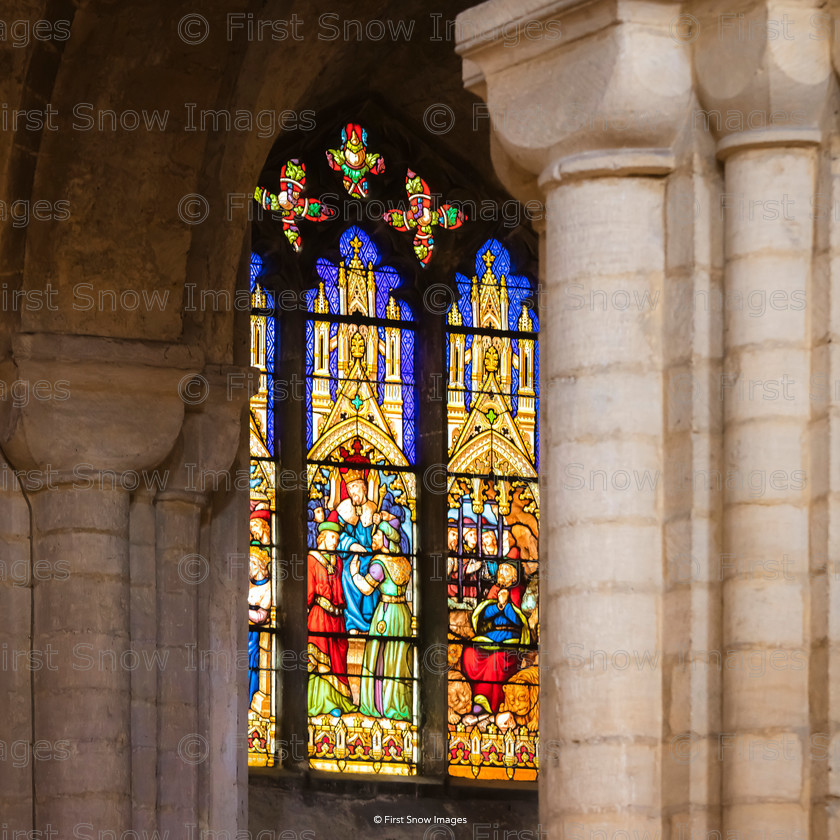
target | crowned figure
[{"x": 358, "y": 516}]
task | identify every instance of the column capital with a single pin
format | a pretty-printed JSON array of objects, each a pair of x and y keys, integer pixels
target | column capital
[
  {"x": 211, "y": 431},
  {"x": 92, "y": 404},
  {"x": 576, "y": 89},
  {"x": 763, "y": 71}
]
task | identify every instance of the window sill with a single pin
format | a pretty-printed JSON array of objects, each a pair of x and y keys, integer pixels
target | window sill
[{"x": 374, "y": 786}]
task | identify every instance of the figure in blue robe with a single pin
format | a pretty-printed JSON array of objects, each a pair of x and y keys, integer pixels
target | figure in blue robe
[{"x": 359, "y": 608}]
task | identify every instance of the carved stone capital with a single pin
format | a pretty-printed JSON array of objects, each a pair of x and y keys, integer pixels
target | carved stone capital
[
  {"x": 568, "y": 84},
  {"x": 211, "y": 431},
  {"x": 763, "y": 71},
  {"x": 92, "y": 404}
]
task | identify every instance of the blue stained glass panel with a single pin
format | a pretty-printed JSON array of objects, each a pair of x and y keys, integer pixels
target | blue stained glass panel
[
  {"x": 493, "y": 520},
  {"x": 361, "y": 409}
]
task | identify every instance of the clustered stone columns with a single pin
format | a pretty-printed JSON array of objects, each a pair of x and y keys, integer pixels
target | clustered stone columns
[
  {"x": 601, "y": 544},
  {"x": 633, "y": 103},
  {"x": 73, "y": 455},
  {"x": 89, "y": 462},
  {"x": 769, "y": 255}
]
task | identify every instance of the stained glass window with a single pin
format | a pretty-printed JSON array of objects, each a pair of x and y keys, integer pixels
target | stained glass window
[
  {"x": 362, "y": 624},
  {"x": 262, "y": 559},
  {"x": 493, "y": 523},
  {"x": 359, "y": 446}
]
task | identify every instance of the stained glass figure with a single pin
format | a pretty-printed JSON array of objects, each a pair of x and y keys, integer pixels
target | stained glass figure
[
  {"x": 262, "y": 554},
  {"x": 354, "y": 160},
  {"x": 422, "y": 218},
  {"x": 493, "y": 523},
  {"x": 361, "y": 524},
  {"x": 289, "y": 203}
]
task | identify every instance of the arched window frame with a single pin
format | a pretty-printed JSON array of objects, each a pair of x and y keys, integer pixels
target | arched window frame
[{"x": 430, "y": 291}]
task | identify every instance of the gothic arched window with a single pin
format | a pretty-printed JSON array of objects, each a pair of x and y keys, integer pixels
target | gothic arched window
[{"x": 393, "y": 619}]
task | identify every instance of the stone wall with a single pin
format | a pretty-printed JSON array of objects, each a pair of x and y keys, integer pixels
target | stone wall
[{"x": 324, "y": 809}]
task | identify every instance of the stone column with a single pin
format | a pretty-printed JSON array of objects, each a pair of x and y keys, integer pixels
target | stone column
[
  {"x": 16, "y": 669},
  {"x": 768, "y": 204},
  {"x": 568, "y": 125},
  {"x": 144, "y": 679},
  {"x": 200, "y": 664},
  {"x": 765, "y": 565},
  {"x": 825, "y": 503},
  {"x": 81, "y": 700},
  {"x": 180, "y": 571},
  {"x": 117, "y": 414},
  {"x": 825, "y": 492},
  {"x": 224, "y": 692},
  {"x": 601, "y": 477}
]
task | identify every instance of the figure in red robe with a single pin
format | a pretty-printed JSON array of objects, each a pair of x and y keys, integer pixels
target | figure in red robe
[{"x": 329, "y": 689}]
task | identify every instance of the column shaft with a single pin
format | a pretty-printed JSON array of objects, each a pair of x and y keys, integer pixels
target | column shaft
[
  {"x": 764, "y": 746},
  {"x": 144, "y": 679},
  {"x": 223, "y": 689},
  {"x": 16, "y": 576},
  {"x": 81, "y": 627},
  {"x": 181, "y": 745},
  {"x": 601, "y": 541}
]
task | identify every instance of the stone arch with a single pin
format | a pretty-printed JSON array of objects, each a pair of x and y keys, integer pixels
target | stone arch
[{"x": 126, "y": 186}]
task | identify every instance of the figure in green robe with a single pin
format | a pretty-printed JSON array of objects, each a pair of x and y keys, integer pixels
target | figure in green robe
[{"x": 386, "y": 684}]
